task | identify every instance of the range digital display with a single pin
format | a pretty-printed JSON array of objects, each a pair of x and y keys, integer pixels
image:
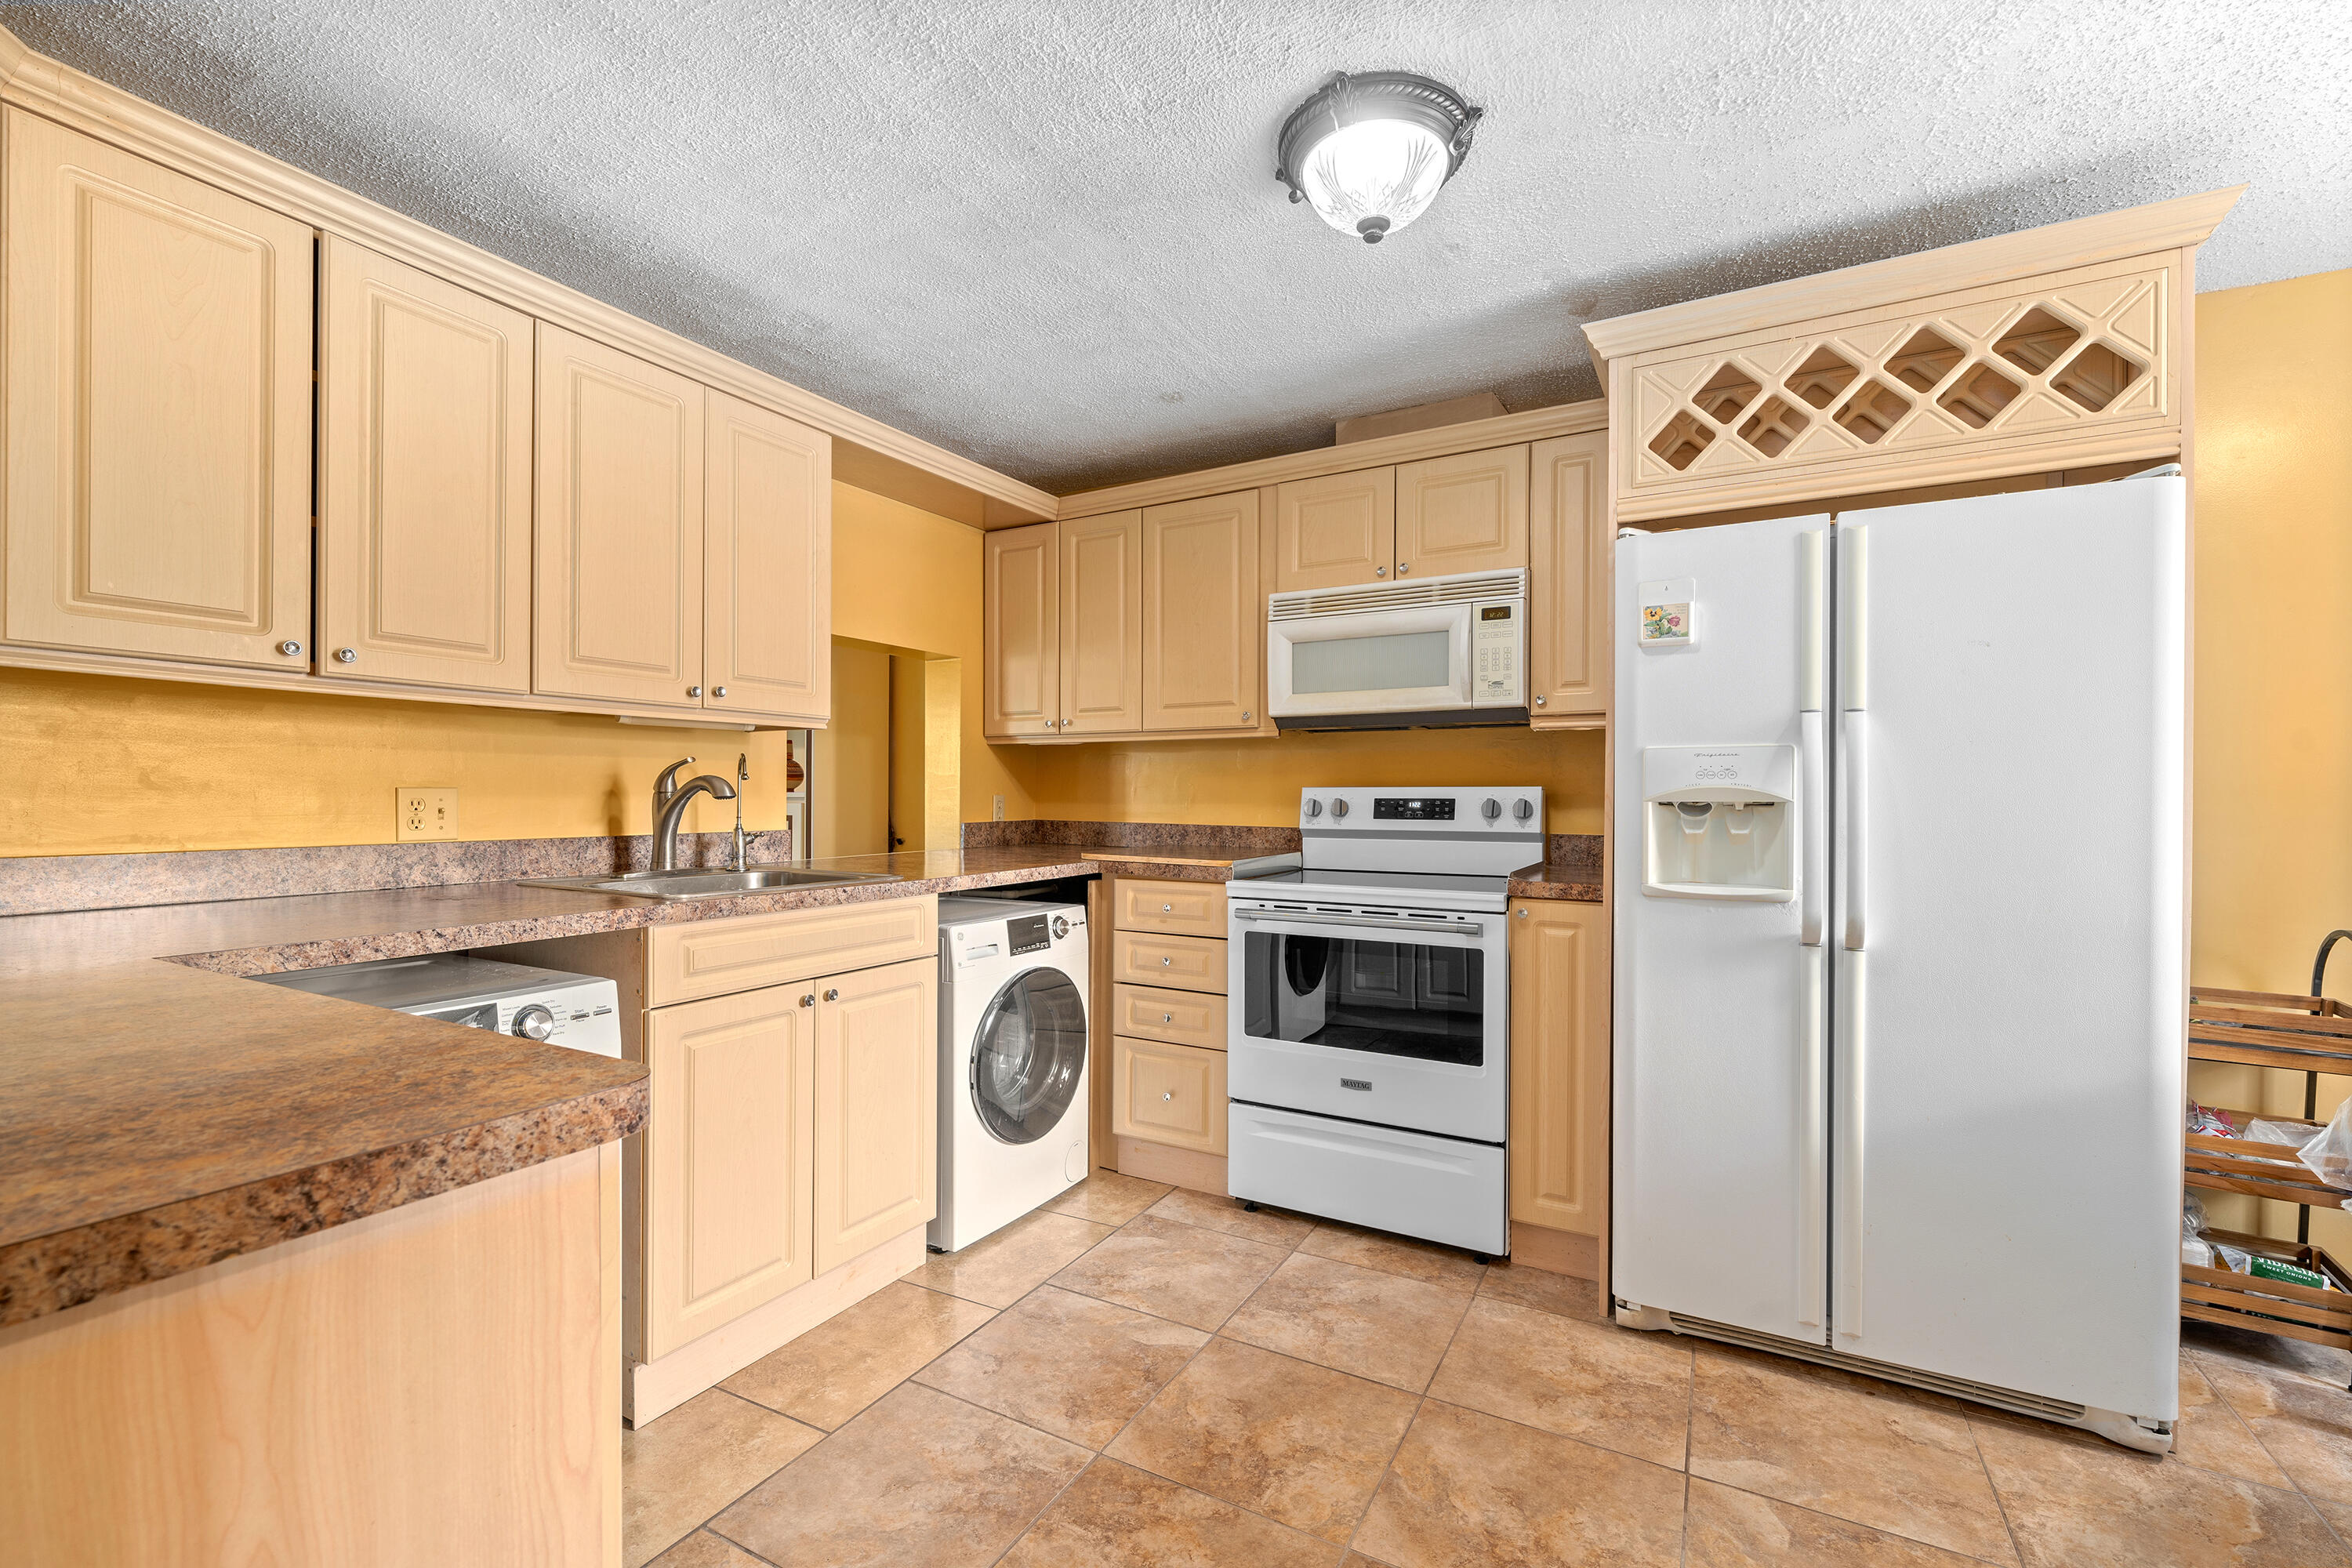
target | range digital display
[{"x": 1401, "y": 808}]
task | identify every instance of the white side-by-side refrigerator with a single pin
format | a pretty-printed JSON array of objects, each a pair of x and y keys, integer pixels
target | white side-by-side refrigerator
[{"x": 1898, "y": 879}]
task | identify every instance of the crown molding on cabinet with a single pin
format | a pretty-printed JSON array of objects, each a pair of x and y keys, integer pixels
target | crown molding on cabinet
[
  {"x": 1411, "y": 446},
  {"x": 875, "y": 457},
  {"x": 2134, "y": 231}
]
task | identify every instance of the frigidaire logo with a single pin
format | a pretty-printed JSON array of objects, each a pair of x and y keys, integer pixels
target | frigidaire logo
[{"x": 1356, "y": 1083}]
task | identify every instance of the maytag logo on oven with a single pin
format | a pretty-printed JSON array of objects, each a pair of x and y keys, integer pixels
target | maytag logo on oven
[{"x": 1362, "y": 1083}]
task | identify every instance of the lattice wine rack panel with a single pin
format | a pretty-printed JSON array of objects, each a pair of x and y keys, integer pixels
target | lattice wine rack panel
[{"x": 1920, "y": 389}]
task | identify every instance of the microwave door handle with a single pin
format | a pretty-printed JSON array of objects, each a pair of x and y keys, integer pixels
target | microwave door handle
[{"x": 1303, "y": 918}]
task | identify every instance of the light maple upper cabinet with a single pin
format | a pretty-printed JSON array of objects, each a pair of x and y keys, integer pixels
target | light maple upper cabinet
[
  {"x": 1335, "y": 529},
  {"x": 425, "y": 418},
  {"x": 157, "y": 394},
  {"x": 1560, "y": 1064},
  {"x": 876, "y": 1107},
  {"x": 729, "y": 1151},
  {"x": 766, "y": 563},
  {"x": 619, "y": 591},
  {"x": 1568, "y": 583},
  {"x": 1466, "y": 513},
  {"x": 1203, "y": 614},
  {"x": 1021, "y": 634},
  {"x": 1102, "y": 624}
]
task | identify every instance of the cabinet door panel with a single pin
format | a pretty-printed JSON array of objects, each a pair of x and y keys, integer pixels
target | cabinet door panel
[
  {"x": 158, "y": 396},
  {"x": 1467, "y": 512},
  {"x": 728, "y": 1157},
  {"x": 768, "y": 563},
  {"x": 1169, "y": 1094},
  {"x": 424, "y": 566},
  {"x": 1560, "y": 1065},
  {"x": 1203, "y": 614},
  {"x": 1021, "y": 632},
  {"x": 1567, "y": 586},
  {"x": 1102, "y": 630},
  {"x": 618, "y": 609},
  {"x": 876, "y": 1107},
  {"x": 1335, "y": 530}
]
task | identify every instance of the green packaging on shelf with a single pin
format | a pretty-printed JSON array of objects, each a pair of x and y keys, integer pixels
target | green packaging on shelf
[{"x": 2289, "y": 1273}]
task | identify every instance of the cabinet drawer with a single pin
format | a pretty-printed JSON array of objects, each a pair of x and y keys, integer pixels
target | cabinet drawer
[
  {"x": 1171, "y": 909},
  {"x": 1186, "y": 962},
  {"x": 712, "y": 958},
  {"x": 1178, "y": 1018},
  {"x": 1169, "y": 1094}
]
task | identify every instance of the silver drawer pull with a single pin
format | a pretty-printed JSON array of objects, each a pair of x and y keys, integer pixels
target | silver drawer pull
[
  {"x": 1168, "y": 1094},
  {"x": 1462, "y": 928},
  {"x": 1166, "y": 1017},
  {"x": 1167, "y": 908}
]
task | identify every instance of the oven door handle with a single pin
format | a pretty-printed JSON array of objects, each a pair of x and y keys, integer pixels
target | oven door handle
[{"x": 1457, "y": 928}]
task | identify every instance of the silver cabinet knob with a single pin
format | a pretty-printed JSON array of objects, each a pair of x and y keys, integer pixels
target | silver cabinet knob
[
  {"x": 290, "y": 648},
  {"x": 718, "y": 691},
  {"x": 694, "y": 691},
  {"x": 1404, "y": 567},
  {"x": 1339, "y": 808},
  {"x": 1166, "y": 961},
  {"x": 1167, "y": 1094},
  {"x": 1246, "y": 718},
  {"x": 347, "y": 656},
  {"x": 1380, "y": 571},
  {"x": 1492, "y": 809},
  {"x": 1167, "y": 908},
  {"x": 1166, "y": 1017},
  {"x": 809, "y": 1000},
  {"x": 1523, "y": 914},
  {"x": 833, "y": 995},
  {"x": 1539, "y": 702}
]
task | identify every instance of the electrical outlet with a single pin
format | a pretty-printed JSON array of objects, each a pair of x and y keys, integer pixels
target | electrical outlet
[
  {"x": 427, "y": 813},
  {"x": 1000, "y": 808}
]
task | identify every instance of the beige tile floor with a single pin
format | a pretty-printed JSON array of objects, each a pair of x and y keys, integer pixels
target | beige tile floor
[{"x": 1145, "y": 1376}]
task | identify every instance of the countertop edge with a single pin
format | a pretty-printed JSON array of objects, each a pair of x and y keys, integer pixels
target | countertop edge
[{"x": 53, "y": 1273}]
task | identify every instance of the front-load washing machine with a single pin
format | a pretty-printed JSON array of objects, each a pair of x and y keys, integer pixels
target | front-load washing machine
[{"x": 1013, "y": 1062}]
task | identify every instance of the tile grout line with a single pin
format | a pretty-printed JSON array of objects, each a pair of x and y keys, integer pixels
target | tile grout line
[
  {"x": 1420, "y": 1405},
  {"x": 1984, "y": 1466},
  {"x": 2248, "y": 1427}
]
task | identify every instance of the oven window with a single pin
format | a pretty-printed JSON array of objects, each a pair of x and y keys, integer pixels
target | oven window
[
  {"x": 1393, "y": 998},
  {"x": 1397, "y": 662}
]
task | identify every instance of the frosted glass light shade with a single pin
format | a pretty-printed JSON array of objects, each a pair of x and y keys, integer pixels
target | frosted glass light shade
[{"x": 1375, "y": 176}]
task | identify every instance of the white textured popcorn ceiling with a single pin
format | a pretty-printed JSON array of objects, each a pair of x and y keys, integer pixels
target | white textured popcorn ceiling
[{"x": 1049, "y": 236}]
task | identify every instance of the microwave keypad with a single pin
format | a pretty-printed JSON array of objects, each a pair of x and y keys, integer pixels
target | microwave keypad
[{"x": 1495, "y": 652}]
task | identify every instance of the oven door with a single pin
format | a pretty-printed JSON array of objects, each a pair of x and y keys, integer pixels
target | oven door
[
  {"x": 1397, "y": 1020},
  {"x": 1377, "y": 661}
]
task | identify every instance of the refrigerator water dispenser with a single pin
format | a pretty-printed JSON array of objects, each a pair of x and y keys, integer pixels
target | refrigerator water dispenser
[{"x": 1719, "y": 822}]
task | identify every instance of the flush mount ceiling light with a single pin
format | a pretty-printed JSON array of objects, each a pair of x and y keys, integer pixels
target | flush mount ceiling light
[{"x": 1371, "y": 151}]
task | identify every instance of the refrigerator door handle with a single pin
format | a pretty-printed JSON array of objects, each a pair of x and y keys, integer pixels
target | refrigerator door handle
[
  {"x": 1849, "y": 1070},
  {"x": 1813, "y": 783},
  {"x": 1854, "y": 751}
]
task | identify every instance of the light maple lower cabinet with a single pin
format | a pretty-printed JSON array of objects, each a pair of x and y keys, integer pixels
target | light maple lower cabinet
[
  {"x": 1568, "y": 672},
  {"x": 157, "y": 371},
  {"x": 877, "y": 1107},
  {"x": 1164, "y": 1057},
  {"x": 731, "y": 1150},
  {"x": 1169, "y": 1094},
  {"x": 619, "y": 579},
  {"x": 1560, "y": 1065},
  {"x": 425, "y": 423}
]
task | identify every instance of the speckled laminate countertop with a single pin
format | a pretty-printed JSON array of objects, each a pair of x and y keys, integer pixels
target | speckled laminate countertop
[{"x": 164, "y": 1116}]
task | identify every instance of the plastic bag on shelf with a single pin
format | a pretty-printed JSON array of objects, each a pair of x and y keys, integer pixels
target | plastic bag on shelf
[
  {"x": 2194, "y": 1248},
  {"x": 2207, "y": 1122},
  {"x": 2329, "y": 1154}
]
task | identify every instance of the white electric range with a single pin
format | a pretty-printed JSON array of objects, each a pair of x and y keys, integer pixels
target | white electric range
[{"x": 1367, "y": 1058}]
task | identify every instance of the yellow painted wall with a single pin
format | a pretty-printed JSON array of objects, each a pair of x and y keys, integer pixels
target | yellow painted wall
[
  {"x": 2273, "y": 804},
  {"x": 850, "y": 792}
]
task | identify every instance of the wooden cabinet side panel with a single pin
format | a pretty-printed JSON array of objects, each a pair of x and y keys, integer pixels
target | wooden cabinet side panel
[
  {"x": 1169, "y": 1094},
  {"x": 876, "y": 1107},
  {"x": 618, "y": 581},
  {"x": 1560, "y": 1065},
  {"x": 1568, "y": 589},
  {"x": 1021, "y": 648},
  {"x": 1335, "y": 530},
  {"x": 1102, "y": 624},
  {"x": 425, "y": 432},
  {"x": 728, "y": 1157},
  {"x": 436, "y": 1383},
  {"x": 1203, "y": 614},
  {"x": 768, "y": 563},
  {"x": 1466, "y": 513},
  {"x": 158, "y": 408}
]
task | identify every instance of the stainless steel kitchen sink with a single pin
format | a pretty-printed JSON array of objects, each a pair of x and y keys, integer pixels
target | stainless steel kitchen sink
[{"x": 707, "y": 884}]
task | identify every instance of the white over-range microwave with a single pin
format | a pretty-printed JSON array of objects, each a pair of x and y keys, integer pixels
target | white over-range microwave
[{"x": 1444, "y": 650}]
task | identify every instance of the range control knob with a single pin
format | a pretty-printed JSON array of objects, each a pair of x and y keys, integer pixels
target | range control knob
[
  {"x": 1492, "y": 809},
  {"x": 1060, "y": 927},
  {"x": 534, "y": 1022},
  {"x": 1314, "y": 809},
  {"x": 1524, "y": 809},
  {"x": 1339, "y": 808}
]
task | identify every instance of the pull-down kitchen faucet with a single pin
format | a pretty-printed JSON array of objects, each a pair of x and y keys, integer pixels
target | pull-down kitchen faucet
[{"x": 670, "y": 800}]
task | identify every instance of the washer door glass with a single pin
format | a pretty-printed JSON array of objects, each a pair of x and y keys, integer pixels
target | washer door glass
[{"x": 1027, "y": 1057}]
